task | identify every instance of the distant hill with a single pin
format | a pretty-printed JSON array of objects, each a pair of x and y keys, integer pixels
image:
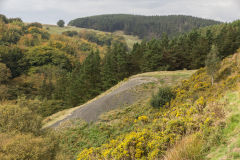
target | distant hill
[{"x": 143, "y": 26}]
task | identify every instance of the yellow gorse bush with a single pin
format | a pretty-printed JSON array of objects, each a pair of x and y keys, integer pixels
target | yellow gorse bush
[{"x": 143, "y": 118}]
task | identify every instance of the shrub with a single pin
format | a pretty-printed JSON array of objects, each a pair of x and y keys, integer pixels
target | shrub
[
  {"x": 11, "y": 33},
  {"x": 5, "y": 73},
  {"x": 163, "y": 96},
  {"x": 44, "y": 107},
  {"x": 44, "y": 55},
  {"x": 35, "y": 24},
  {"x": 11, "y": 56},
  {"x": 30, "y": 40},
  {"x": 3, "y": 18},
  {"x": 16, "y": 119},
  {"x": 49, "y": 107},
  {"x": 70, "y": 33},
  {"x": 3, "y": 92},
  {"x": 38, "y": 31},
  {"x": 12, "y": 20},
  {"x": 26, "y": 146}
]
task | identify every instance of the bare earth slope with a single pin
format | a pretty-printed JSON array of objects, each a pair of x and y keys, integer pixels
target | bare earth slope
[{"x": 123, "y": 94}]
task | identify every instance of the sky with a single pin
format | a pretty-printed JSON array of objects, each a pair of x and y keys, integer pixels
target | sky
[{"x": 50, "y": 11}]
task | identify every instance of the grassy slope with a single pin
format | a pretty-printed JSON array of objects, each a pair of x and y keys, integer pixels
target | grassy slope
[
  {"x": 207, "y": 115},
  {"x": 226, "y": 144},
  {"x": 54, "y": 29},
  {"x": 82, "y": 135},
  {"x": 130, "y": 40},
  {"x": 230, "y": 146}
]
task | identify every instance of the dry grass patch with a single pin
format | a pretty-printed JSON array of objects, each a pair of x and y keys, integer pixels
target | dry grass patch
[{"x": 189, "y": 148}]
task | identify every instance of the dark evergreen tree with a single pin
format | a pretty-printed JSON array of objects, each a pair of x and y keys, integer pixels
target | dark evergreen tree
[
  {"x": 108, "y": 71},
  {"x": 152, "y": 57},
  {"x": 115, "y": 65},
  {"x": 136, "y": 58},
  {"x": 143, "y": 26},
  {"x": 91, "y": 74}
]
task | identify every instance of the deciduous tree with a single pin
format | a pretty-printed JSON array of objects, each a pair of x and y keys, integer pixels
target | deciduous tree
[
  {"x": 212, "y": 62},
  {"x": 61, "y": 23}
]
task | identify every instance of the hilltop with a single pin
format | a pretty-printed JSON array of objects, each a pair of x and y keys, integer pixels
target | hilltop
[{"x": 143, "y": 26}]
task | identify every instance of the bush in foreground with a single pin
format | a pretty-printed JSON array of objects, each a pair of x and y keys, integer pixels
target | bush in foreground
[{"x": 163, "y": 96}]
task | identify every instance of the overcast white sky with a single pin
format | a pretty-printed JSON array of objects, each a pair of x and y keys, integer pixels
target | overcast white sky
[{"x": 49, "y": 11}]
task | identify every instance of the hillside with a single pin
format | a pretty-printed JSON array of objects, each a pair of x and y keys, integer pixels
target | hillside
[
  {"x": 201, "y": 122},
  {"x": 129, "y": 39},
  {"x": 123, "y": 94},
  {"x": 110, "y": 108},
  {"x": 46, "y": 71},
  {"x": 143, "y": 26},
  {"x": 35, "y": 58}
]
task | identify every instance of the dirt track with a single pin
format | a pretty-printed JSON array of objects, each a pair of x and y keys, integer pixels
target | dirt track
[{"x": 122, "y": 95}]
